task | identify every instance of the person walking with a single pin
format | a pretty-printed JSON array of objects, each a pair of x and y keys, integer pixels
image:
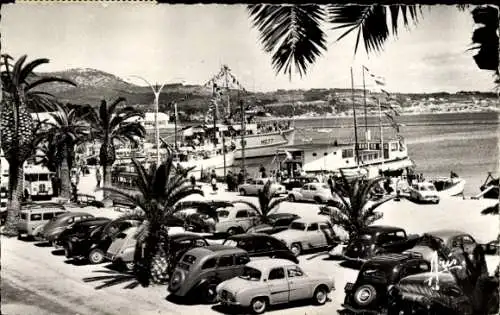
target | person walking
[
  {"x": 98, "y": 177},
  {"x": 214, "y": 185}
]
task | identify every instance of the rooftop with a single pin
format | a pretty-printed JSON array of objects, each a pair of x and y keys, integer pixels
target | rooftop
[{"x": 269, "y": 263}]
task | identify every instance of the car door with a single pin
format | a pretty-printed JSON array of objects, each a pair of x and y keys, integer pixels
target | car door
[
  {"x": 241, "y": 218},
  {"x": 305, "y": 192},
  {"x": 328, "y": 234},
  {"x": 258, "y": 186},
  {"x": 300, "y": 288},
  {"x": 313, "y": 190},
  {"x": 225, "y": 267},
  {"x": 278, "y": 286},
  {"x": 315, "y": 237}
]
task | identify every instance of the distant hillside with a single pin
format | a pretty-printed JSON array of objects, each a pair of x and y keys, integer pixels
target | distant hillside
[{"x": 94, "y": 85}]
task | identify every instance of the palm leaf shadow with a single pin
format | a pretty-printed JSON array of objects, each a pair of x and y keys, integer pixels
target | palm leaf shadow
[{"x": 113, "y": 278}]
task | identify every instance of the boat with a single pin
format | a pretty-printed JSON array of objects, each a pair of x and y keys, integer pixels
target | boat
[
  {"x": 490, "y": 188},
  {"x": 448, "y": 186}
]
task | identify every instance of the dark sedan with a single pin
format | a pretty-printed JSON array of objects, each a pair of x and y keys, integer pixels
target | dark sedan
[{"x": 261, "y": 245}]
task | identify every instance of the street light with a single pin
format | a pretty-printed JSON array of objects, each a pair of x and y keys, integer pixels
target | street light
[{"x": 156, "y": 92}]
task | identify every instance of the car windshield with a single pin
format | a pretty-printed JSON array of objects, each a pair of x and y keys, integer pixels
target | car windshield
[
  {"x": 427, "y": 188},
  {"x": 232, "y": 243},
  {"x": 223, "y": 213},
  {"x": 251, "y": 274},
  {"x": 297, "y": 226}
]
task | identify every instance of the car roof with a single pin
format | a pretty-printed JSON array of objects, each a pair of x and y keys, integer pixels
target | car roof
[
  {"x": 269, "y": 263},
  {"x": 446, "y": 234},
  {"x": 249, "y": 235},
  {"x": 390, "y": 259},
  {"x": 381, "y": 228},
  {"x": 184, "y": 236},
  {"x": 311, "y": 220},
  {"x": 93, "y": 221},
  {"x": 282, "y": 215}
]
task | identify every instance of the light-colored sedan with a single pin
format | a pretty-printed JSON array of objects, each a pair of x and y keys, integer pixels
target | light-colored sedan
[
  {"x": 424, "y": 192},
  {"x": 273, "y": 281},
  {"x": 236, "y": 219},
  {"x": 305, "y": 233},
  {"x": 253, "y": 186},
  {"x": 317, "y": 192}
]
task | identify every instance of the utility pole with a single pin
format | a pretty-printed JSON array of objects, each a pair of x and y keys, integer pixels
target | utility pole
[
  {"x": 243, "y": 132},
  {"x": 356, "y": 158},
  {"x": 364, "y": 103}
]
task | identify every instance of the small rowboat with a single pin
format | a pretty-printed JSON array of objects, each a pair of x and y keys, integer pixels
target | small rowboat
[{"x": 448, "y": 186}]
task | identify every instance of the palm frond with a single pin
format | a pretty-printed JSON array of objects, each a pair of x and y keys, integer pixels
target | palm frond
[
  {"x": 113, "y": 278},
  {"x": 275, "y": 202},
  {"x": 292, "y": 33},
  {"x": 491, "y": 210}
]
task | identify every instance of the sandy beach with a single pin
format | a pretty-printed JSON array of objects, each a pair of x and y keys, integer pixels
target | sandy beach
[{"x": 42, "y": 273}]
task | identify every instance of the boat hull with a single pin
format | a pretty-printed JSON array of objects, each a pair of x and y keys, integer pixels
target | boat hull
[
  {"x": 207, "y": 165},
  {"x": 456, "y": 187},
  {"x": 262, "y": 145}
]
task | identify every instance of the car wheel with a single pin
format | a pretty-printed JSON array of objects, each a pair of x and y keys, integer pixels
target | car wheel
[
  {"x": 259, "y": 305},
  {"x": 232, "y": 231},
  {"x": 96, "y": 256},
  {"x": 208, "y": 293},
  {"x": 296, "y": 249},
  {"x": 68, "y": 249},
  {"x": 365, "y": 295},
  {"x": 291, "y": 198},
  {"x": 129, "y": 265},
  {"x": 318, "y": 200},
  {"x": 320, "y": 295},
  {"x": 243, "y": 192}
]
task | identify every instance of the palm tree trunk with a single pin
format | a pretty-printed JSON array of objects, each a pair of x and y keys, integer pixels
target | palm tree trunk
[
  {"x": 106, "y": 179},
  {"x": 65, "y": 176},
  {"x": 15, "y": 194}
]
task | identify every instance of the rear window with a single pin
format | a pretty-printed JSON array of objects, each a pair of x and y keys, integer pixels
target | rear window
[
  {"x": 36, "y": 217},
  {"x": 297, "y": 226},
  {"x": 43, "y": 177},
  {"x": 223, "y": 213},
  {"x": 190, "y": 259}
]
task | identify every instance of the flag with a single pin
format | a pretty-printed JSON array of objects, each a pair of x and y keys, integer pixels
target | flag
[{"x": 379, "y": 80}]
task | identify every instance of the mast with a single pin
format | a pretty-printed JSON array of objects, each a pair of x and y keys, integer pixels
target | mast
[
  {"x": 355, "y": 123},
  {"x": 364, "y": 103},
  {"x": 381, "y": 130},
  {"x": 242, "y": 133},
  {"x": 214, "y": 100}
]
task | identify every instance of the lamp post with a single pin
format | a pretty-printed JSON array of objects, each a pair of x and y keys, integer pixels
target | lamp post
[{"x": 156, "y": 91}]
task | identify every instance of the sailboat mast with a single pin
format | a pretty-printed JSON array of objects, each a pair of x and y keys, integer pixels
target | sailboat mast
[
  {"x": 364, "y": 104},
  {"x": 381, "y": 130},
  {"x": 355, "y": 123}
]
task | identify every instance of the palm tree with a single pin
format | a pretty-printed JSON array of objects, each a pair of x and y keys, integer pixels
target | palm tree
[
  {"x": 19, "y": 97},
  {"x": 110, "y": 125},
  {"x": 293, "y": 33},
  {"x": 267, "y": 203},
  {"x": 68, "y": 130},
  {"x": 354, "y": 203},
  {"x": 160, "y": 189}
]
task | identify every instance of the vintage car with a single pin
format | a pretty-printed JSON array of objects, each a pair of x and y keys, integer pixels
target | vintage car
[
  {"x": 440, "y": 293},
  {"x": 253, "y": 186},
  {"x": 276, "y": 222},
  {"x": 91, "y": 240},
  {"x": 377, "y": 240},
  {"x": 122, "y": 249},
  {"x": 317, "y": 192},
  {"x": 305, "y": 234},
  {"x": 236, "y": 219},
  {"x": 195, "y": 213},
  {"x": 261, "y": 245},
  {"x": 57, "y": 225},
  {"x": 274, "y": 281},
  {"x": 202, "y": 269},
  {"x": 297, "y": 182},
  {"x": 369, "y": 293},
  {"x": 424, "y": 192},
  {"x": 34, "y": 217},
  {"x": 79, "y": 227}
]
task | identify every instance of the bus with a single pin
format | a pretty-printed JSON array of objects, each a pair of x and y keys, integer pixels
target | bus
[{"x": 38, "y": 182}]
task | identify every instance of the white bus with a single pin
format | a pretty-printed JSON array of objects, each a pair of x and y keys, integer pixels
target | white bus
[{"x": 38, "y": 182}]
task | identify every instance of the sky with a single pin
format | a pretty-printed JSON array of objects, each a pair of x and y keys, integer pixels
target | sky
[{"x": 189, "y": 43}]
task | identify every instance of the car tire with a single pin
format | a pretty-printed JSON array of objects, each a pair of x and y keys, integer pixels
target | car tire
[
  {"x": 243, "y": 192},
  {"x": 320, "y": 295},
  {"x": 129, "y": 265},
  {"x": 291, "y": 198},
  {"x": 365, "y": 295},
  {"x": 296, "y": 249},
  {"x": 208, "y": 293},
  {"x": 258, "y": 305},
  {"x": 318, "y": 200},
  {"x": 232, "y": 231},
  {"x": 96, "y": 256},
  {"x": 68, "y": 249}
]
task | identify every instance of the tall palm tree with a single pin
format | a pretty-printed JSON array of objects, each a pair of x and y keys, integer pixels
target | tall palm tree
[
  {"x": 294, "y": 36},
  {"x": 267, "y": 203},
  {"x": 68, "y": 129},
  {"x": 354, "y": 203},
  {"x": 19, "y": 97},
  {"x": 110, "y": 125},
  {"x": 160, "y": 189}
]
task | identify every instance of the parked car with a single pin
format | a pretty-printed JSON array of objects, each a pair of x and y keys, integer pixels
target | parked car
[
  {"x": 376, "y": 240},
  {"x": 236, "y": 219},
  {"x": 316, "y": 192},
  {"x": 369, "y": 293},
  {"x": 34, "y": 216},
  {"x": 276, "y": 222},
  {"x": 492, "y": 248},
  {"x": 201, "y": 269},
  {"x": 57, "y": 225},
  {"x": 195, "y": 213},
  {"x": 305, "y": 234},
  {"x": 91, "y": 239},
  {"x": 424, "y": 192},
  {"x": 122, "y": 249},
  {"x": 417, "y": 295},
  {"x": 261, "y": 245},
  {"x": 297, "y": 182},
  {"x": 253, "y": 186},
  {"x": 274, "y": 281}
]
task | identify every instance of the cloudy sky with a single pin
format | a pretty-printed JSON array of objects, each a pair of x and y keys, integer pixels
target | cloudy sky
[{"x": 175, "y": 43}]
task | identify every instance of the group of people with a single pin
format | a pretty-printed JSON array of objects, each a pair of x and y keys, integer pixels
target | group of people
[{"x": 233, "y": 180}]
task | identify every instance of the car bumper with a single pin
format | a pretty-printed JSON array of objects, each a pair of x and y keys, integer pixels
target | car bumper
[
  {"x": 227, "y": 302},
  {"x": 359, "y": 310}
]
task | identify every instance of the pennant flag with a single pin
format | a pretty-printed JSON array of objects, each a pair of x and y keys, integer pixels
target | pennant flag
[
  {"x": 386, "y": 93},
  {"x": 379, "y": 80}
]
